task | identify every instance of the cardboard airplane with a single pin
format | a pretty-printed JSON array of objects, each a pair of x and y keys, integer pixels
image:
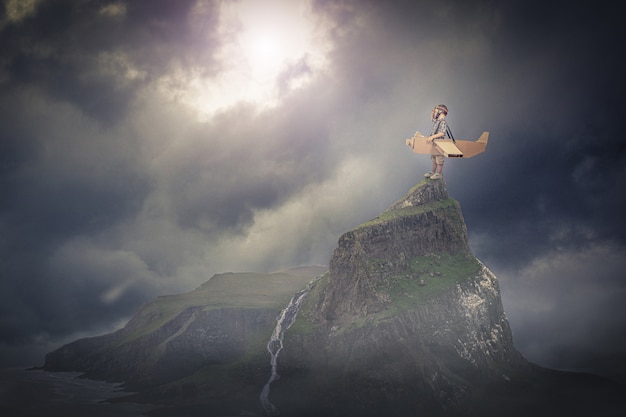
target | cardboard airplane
[{"x": 449, "y": 147}]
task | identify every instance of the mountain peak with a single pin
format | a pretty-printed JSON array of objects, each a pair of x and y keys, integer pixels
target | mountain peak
[
  {"x": 425, "y": 222},
  {"x": 424, "y": 193},
  {"x": 405, "y": 300}
]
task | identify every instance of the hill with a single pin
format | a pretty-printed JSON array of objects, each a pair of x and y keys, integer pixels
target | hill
[{"x": 406, "y": 321}]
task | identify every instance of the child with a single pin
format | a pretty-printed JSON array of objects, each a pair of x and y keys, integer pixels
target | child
[{"x": 438, "y": 116}]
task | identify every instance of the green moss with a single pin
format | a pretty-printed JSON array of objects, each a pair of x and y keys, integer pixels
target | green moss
[
  {"x": 303, "y": 323},
  {"x": 430, "y": 276},
  {"x": 409, "y": 211},
  {"x": 427, "y": 278}
]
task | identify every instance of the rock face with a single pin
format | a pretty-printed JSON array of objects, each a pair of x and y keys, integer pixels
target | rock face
[
  {"x": 405, "y": 316},
  {"x": 193, "y": 339},
  {"x": 425, "y": 222}
]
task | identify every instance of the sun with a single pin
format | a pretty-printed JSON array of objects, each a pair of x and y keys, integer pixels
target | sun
[
  {"x": 273, "y": 34},
  {"x": 264, "y": 52},
  {"x": 265, "y": 48},
  {"x": 260, "y": 42}
]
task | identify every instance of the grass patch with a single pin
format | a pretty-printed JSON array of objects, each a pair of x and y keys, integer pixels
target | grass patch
[
  {"x": 429, "y": 276},
  {"x": 409, "y": 211},
  {"x": 303, "y": 323}
]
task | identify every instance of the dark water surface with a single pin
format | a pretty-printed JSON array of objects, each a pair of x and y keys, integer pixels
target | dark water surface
[{"x": 63, "y": 394}]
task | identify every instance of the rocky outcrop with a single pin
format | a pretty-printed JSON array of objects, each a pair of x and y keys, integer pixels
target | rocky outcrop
[
  {"x": 405, "y": 316},
  {"x": 425, "y": 222}
]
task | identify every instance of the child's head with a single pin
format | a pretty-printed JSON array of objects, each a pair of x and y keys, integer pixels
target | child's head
[{"x": 437, "y": 111}]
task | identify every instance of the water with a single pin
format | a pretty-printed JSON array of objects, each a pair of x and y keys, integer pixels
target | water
[
  {"x": 52, "y": 394},
  {"x": 275, "y": 345}
]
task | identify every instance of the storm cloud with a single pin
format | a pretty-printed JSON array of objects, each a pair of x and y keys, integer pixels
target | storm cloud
[{"x": 145, "y": 146}]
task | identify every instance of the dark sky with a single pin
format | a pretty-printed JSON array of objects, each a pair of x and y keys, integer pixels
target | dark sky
[{"x": 147, "y": 145}]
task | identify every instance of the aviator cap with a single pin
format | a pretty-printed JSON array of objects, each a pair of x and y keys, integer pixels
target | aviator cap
[{"x": 442, "y": 107}]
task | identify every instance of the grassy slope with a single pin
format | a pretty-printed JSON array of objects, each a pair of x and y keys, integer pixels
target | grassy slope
[
  {"x": 230, "y": 290},
  {"x": 409, "y": 211}
]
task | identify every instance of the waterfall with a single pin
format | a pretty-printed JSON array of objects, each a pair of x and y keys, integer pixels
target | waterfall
[{"x": 275, "y": 345}]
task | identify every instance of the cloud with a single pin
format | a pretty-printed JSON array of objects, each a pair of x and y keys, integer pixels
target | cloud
[
  {"x": 114, "y": 10},
  {"x": 85, "y": 176},
  {"x": 110, "y": 272},
  {"x": 566, "y": 308},
  {"x": 77, "y": 52},
  {"x": 306, "y": 226},
  {"x": 17, "y": 10},
  {"x": 135, "y": 159}
]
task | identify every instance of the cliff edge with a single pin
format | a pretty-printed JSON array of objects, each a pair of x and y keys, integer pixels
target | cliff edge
[{"x": 406, "y": 316}]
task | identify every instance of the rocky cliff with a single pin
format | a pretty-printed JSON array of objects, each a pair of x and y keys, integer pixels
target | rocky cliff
[
  {"x": 406, "y": 321},
  {"x": 221, "y": 325},
  {"x": 406, "y": 318}
]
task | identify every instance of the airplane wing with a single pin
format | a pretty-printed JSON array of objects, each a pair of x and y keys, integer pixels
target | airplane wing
[{"x": 448, "y": 147}]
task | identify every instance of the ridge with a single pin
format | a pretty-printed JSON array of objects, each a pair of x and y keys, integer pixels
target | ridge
[{"x": 423, "y": 225}]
